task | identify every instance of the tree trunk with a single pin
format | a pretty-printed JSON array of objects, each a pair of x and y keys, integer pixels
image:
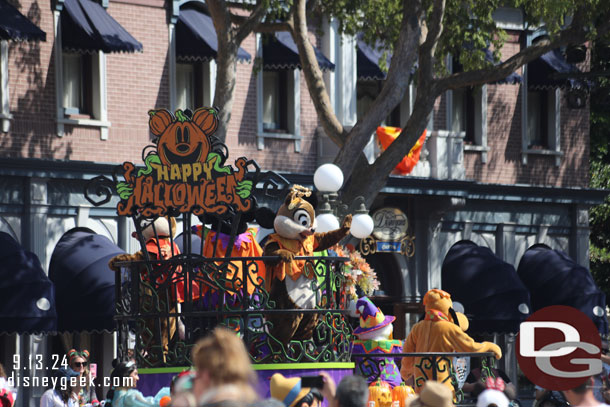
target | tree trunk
[
  {"x": 393, "y": 90},
  {"x": 226, "y": 65}
]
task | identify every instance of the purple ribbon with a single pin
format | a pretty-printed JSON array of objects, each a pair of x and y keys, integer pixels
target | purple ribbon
[{"x": 239, "y": 239}]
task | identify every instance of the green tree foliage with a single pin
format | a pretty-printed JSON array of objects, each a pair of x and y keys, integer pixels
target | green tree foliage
[
  {"x": 599, "y": 216},
  {"x": 426, "y": 32}
]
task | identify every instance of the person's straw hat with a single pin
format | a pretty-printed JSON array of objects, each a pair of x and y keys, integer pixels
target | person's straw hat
[
  {"x": 288, "y": 390},
  {"x": 434, "y": 394}
]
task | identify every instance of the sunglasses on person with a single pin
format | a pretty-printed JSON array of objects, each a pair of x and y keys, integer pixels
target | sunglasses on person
[{"x": 80, "y": 364}]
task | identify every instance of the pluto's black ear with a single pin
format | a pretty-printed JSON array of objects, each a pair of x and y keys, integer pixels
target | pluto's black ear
[{"x": 264, "y": 217}]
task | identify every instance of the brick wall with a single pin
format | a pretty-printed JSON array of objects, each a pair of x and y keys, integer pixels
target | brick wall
[
  {"x": 504, "y": 159},
  {"x": 138, "y": 82}
]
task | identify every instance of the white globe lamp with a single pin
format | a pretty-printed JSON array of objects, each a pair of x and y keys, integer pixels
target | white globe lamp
[
  {"x": 362, "y": 225},
  {"x": 326, "y": 222},
  {"x": 328, "y": 178}
]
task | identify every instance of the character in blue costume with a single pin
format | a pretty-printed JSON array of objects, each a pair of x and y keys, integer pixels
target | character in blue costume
[{"x": 126, "y": 395}]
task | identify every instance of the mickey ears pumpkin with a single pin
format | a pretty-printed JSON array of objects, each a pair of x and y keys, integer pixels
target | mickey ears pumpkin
[{"x": 206, "y": 118}]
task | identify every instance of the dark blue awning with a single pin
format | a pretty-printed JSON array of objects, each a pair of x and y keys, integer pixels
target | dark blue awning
[
  {"x": 494, "y": 298},
  {"x": 196, "y": 38},
  {"x": 27, "y": 297},
  {"x": 84, "y": 284},
  {"x": 553, "y": 278},
  {"x": 514, "y": 78},
  {"x": 87, "y": 27},
  {"x": 367, "y": 61},
  {"x": 280, "y": 52},
  {"x": 540, "y": 71},
  {"x": 15, "y": 26}
]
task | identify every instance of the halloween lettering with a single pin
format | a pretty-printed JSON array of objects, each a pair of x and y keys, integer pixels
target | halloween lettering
[
  {"x": 213, "y": 196},
  {"x": 184, "y": 173}
]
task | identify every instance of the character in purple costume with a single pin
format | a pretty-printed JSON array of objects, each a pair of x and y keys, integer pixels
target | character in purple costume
[{"x": 374, "y": 336}]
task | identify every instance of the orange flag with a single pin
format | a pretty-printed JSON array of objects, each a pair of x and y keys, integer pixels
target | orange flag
[{"x": 387, "y": 135}]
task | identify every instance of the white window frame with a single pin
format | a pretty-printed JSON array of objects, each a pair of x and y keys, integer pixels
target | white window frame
[
  {"x": 98, "y": 87},
  {"x": 208, "y": 83},
  {"x": 480, "y": 117},
  {"x": 5, "y": 114},
  {"x": 293, "y": 88},
  {"x": 553, "y": 124}
]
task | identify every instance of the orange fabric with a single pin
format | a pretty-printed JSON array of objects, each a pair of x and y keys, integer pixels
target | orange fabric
[
  {"x": 387, "y": 135},
  {"x": 166, "y": 254},
  {"x": 438, "y": 333},
  {"x": 249, "y": 249},
  {"x": 296, "y": 268},
  {"x": 438, "y": 336}
]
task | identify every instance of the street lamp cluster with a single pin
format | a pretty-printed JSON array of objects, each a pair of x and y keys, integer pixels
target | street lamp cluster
[{"x": 328, "y": 179}]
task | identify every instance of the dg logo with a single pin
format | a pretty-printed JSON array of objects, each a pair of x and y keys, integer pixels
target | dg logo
[{"x": 558, "y": 347}]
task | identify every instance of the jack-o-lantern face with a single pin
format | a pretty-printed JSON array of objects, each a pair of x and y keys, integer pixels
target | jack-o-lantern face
[
  {"x": 183, "y": 143},
  {"x": 183, "y": 140}
]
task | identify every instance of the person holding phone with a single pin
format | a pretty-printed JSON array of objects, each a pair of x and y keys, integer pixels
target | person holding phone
[{"x": 79, "y": 362}]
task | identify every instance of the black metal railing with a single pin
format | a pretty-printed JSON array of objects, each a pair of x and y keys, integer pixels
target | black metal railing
[{"x": 164, "y": 306}]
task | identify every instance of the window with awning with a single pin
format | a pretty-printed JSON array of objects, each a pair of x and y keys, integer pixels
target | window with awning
[
  {"x": 278, "y": 87},
  {"x": 87, "y": 33},
  {"x": 87, "y": 27},
  {"x": 196, "y": 38},
  {"x": 16, "y": 27},
  {"x": 547, "y": 76}
]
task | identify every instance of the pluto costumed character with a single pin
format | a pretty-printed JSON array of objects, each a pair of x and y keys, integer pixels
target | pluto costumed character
[
  {"x": 291, "y": 280},
  {"x": 374, "y": 336},
  {"x": 438, "y": 332}
]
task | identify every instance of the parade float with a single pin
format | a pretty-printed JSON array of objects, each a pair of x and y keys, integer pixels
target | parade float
[{"x": 201, "y": 265}]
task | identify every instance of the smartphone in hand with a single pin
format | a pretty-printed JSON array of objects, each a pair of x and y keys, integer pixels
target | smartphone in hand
[
  {"x": 93, "y": 369},
  {"x": 312, "y": 381}
]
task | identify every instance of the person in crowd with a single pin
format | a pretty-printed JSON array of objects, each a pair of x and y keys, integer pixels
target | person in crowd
[
  {"x": 548, "y": 398},
  {"x": 475, "y": 384},
  {"x": 289, "y": 391},
  {"x": 582, "y": 396},
  {"x": 602, "y": 382},
  {"x": 223, "y": 371},
  {"x": 433, "y": 394},
  {"x": 352, "y": 391},
  {"x": 7, "y": 398},
  {"x": 62, "y": 395},
  {"x": 124, "y": 378},
  {"x": 79, "y": 362}
]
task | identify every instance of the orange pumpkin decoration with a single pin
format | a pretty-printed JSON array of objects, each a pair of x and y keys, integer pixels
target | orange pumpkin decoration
[
  {"x": 159, "y": 120},
  {"x": 182, "y": 141},
  {"x": 400, "y": 394},
  {"x": 380, "y": 394},
  {"x": 205, "y": 118}
]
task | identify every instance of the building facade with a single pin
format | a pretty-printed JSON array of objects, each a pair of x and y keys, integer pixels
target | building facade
[{"x": 505, "y": 165}]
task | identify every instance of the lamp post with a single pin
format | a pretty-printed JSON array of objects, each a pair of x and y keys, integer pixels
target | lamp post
[{"x": 328, "y": 179}]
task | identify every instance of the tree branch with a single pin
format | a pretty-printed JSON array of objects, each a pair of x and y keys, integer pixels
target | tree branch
[
  {"x": 393, "y": 89},
  {"x": 575, "y": 34},
  {"x": 252, "y": 21},
  {"x": 313, "y": 75},
  {"x": 427, "y": 92}
]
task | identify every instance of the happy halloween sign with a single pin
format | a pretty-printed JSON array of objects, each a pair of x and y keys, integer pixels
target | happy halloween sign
[{"x": 185, "y": 170}]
